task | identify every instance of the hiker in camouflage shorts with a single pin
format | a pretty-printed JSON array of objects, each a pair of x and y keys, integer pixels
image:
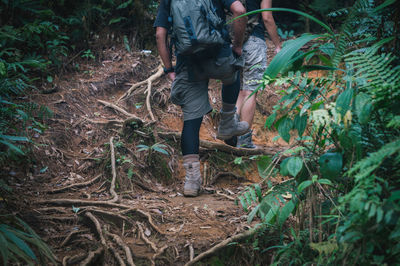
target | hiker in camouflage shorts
[
  {"x": 255, "y": 56},
  {"x": 191, "y": 76}
]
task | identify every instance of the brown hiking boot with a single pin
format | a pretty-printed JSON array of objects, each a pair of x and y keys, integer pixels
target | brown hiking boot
[{"x": 193, "y": 179}]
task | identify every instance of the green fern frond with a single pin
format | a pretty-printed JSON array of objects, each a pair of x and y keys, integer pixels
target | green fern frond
[
  {"x": 368, "y": 165},
  {"x": 377, "y": 72}
]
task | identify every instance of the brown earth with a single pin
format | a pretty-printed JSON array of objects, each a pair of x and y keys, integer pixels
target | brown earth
[{"x": 69, "y": 191}]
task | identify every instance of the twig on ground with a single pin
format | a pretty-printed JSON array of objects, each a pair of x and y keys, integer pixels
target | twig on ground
[
  {"x": 226, "y": 196},
  {"x": 114, "y": 173},
  {"x": 149, "y": 86},
  {"x": 148, "y": 81},
  {"x": 127, "y": 250},
  {"x": 91, "y": 256},
  {"x": 79, "y": 185},
  {"x": 191, "y": 252},
  {"x": 223, "y": 244}
]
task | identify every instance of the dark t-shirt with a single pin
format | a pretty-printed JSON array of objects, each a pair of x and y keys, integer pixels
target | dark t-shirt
[
  {"x": 162, "y": 20},
  {"x": 259, "y": 29}
]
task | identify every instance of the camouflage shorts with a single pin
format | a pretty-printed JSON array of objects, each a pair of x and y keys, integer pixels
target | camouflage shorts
[{"x": 255, "y": 56}]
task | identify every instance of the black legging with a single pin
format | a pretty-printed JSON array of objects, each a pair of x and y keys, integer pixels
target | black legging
[
  {"x": 230, "y": 92},
  {"x": 191, "y": 128},
  {"x": 190, "y": 136}
]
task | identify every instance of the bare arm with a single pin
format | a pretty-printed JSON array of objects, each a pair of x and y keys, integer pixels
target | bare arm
[
  {"x": 270, "y": 25},
  {"x": 239, "y": 26},
  {"x": 162, "y": 46}
]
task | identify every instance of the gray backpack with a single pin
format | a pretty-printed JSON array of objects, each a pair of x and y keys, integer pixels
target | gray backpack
[{"x": 196, "y": 26}]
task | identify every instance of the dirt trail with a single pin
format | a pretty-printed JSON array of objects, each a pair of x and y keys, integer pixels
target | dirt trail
[{"x": 88, "y": 210}]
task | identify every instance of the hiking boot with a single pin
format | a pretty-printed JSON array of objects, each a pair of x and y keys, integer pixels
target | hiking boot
[
  {"x": 230, "y": 125},
  {"x": 193, "y": 179},
  {"x": 245, "y": 141}
]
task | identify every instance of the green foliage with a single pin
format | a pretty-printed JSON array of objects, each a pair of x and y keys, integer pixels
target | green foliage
[
  {"x": 21, "y": 243},
  {"x": 345, "y": 173}
]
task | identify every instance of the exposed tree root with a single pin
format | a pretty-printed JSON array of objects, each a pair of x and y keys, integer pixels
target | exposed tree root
[
  {"x": 127, "y": 250},
  {"x": 69, "y": 202},
  {"x": 145, "y": 239},
  {"x": 68, "y": 260},
  {"x": 79, "y": 185},
  {"x": 221, "y": 146},
  {"x": 114, "y": 173},
  {"x": 148, "y": 81},
  {"x": 92, "y": 256},
  {"x": 121, "y": 110},
  {"x": 70, "y": 235},
  {"x": 105, "y": 122},
  {"x": 221, "y": 174},
  {"x": 117, "y": 256},
  {"x": 148, "y": 216},
  {"x": 223, "y": 244},
  {"x": 98, "y": 227},
  {"x": 159, "y": 252}
]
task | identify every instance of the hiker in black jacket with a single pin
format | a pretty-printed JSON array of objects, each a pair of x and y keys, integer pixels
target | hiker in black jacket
[{"x": 191, "y": 75}]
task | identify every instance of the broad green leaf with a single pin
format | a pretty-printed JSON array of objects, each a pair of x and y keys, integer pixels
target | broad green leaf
[
  {"x": 331, "y": 164},
  {"x": 160, "y": 150},
  {"x": 286, "y": 211},
  {"x": 385, "y": 4},
  {"x": 325, "y": 182},
  {"x": 294, "y": 165},
  {"x": 363, "y": 107},
  {"x": 14, "y": 138},
  {"x": 283, "y": 167},
  {"x": 270, "y": 120},
  {"x": 238, "y": 160},
  {"x": 252, "y": 214},
  {"x": 12, "y": 147},
  {"x": 305, "y": 108},
  {"x": 343, "y": 101},
  {"x": 379, "y": 215},
  {"x": 18, "y": 242},
  {"x": 300, "y": 123},
  {"x": 262, "y": 165},
  {"x": 282, "y": 59},
  {"x": 284, "y": 128},
  {"x": 319, "y": 22},
  {"x": 304, "y": 185}
]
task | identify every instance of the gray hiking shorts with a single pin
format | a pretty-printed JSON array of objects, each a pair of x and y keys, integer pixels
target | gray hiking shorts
[
  {"x": 190, "y": 87},
  {"x": 255, "y": 56}
]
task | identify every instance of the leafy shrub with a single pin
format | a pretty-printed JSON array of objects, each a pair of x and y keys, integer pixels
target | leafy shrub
[{"x": 345, "y": 125}]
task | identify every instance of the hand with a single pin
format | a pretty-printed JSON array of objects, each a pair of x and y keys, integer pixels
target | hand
[
  {"x": 237, "y": 50},
  {"x": 277, "y": 49},
  {"x": 172, "y": 76}
]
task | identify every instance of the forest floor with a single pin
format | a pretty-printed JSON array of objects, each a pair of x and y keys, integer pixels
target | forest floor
[{"x": 90, "y": 192}]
